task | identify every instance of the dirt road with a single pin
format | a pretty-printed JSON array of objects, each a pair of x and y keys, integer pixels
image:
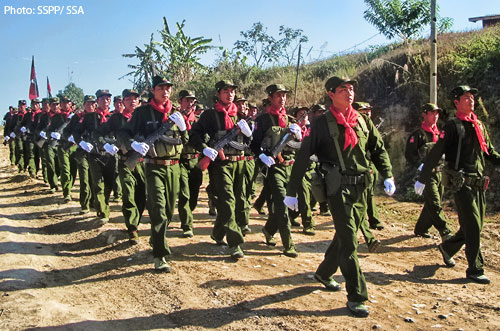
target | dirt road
[{"x": 62, "y": 271}]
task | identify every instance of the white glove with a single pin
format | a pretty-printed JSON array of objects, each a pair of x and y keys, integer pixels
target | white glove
[
  {"x": 141, "y": 148},
  {"x": 267, "y": 160},
  {"x": 55, "y": 135},
  {"x": 87, "y": 147},
  {"x": 23, "y": 129},
  {"x": 111, "y": 149},
  {"x": 12, "y": 135},
  {"x": 210, "y": 152},
  {"x": 297, "y": 132},
  {"x": 178, "y": 119},
  {"x": 7, "y": 138},
  {"x": 390, "y": 187},
  {"x": 419, "y": 187},
  {"x": 71, "y": 139},
  {"x": 292, "y": 203},
  {"x": 245, "y": 129},
  {"x": 420, "y": 167},
  {"x": 43, "y": 134}
]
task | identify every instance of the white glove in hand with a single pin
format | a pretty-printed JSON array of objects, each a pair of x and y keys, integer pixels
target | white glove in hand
[
  {"x": 141, "y": 148},
  {"x": 12, "y": 135},
  {"x": 390, "y": 187},
  {"x": 420, "y": 167},
  {"x": 55, "y": 135},
  {"x": 292, "y": 203},
  {"x": 178, "y": 119},
  {"x": 23, "y": 129},
  {"x": 87, "y": 147},
  {"x": 210, "y": 152},
  {"x": 71, "y": 139},
  {"x": 43, "y": 134},
  {"x": 111, "y": 149},
  {"x": 267, "y": 160},
  {"x": 7, "y": 138},
  {"x": 297, "y": 132},
  {"x": 419, "y": 187},
  {"x": 245, "y": 129}
]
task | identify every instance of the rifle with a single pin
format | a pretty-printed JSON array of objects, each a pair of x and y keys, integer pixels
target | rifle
[
  {"x": 135, "y": 157},
  {"x": 53, "y": 142},
  {"x": 286, "y": 140},
  {"x": 221, "y": 143}
]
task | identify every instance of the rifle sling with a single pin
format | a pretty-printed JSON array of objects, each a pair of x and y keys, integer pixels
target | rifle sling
[{"x": 334, "y": 134}]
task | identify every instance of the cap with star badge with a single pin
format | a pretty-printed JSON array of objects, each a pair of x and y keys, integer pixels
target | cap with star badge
[
  {"x": 128, "y": 92},
  {"x": 271, "y": 89},
  {"x": 90, "y": 98},
  {"x": 158, "y": 80},
  {"x": 334, "y": 82},
  {"x": 101, "y": 92},
  {"x": 458, "y": 91}
]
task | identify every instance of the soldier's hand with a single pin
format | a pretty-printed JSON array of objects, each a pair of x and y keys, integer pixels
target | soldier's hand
[
  {"x": 245, "y": 129},
  {"x": 23, "y": 129},
  {"x": 210, "y": 152},
  {"x": 87, "y": 147},
  {"x": 141, "y": 148},
  {"x": 178, "y": 119},
  {"x": 43, "y": 134},
  {"x": 71, "y": 139},
  {"x": 267, "y": 160},
  {"x": 292, "y": 203},
  {"x": 389, "y": 185},
  {"x": 419, "y": 187},
  {"x": 12, "y": 135},
  {"x": 296, "y": 130},
  {"x": 7, "y": 138},
  {"x": 421, "y": 167},
  {"x": 111, "y": 149},
  {"x": 55, "y": 135}
]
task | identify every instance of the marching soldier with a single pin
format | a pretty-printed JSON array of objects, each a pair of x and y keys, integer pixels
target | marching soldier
[
  {"x": 17, "y": 134},
  {"x": 227, "y": 173},
  {"x": 191, "y": 175},
  {"x": 466, "y": 145},
  {"x": 341, "y": 138},
  {"x": 270, "y": 129},
  {"x": 31, "y": 159},
  {"x": 36, "y": 135},
  {"x": 162, "y": 171},
  {"x": 52, "y": 165},
  {"x": 9, "y": 119},
  {"x": 418, "y": 145},
  {"x": 117, "y": 186}
]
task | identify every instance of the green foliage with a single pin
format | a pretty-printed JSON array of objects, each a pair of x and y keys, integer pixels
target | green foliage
[
  {"x": 402, "y": 18},
  {"x": 74, "y": 93},
  {"x": 289, "y": 43}
]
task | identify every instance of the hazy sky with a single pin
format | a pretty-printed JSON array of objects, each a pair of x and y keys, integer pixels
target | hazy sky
[{"x": 86, "y": 48}]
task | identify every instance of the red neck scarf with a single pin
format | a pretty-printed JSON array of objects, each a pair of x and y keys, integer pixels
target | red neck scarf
[
  {"x": 349, "y": 121},
  {"x": 104, "y": 114},
  {"x": 65, "y": 114},
  {"x": 305, "y": 131},
  {"x": 229, "y": 111},
  {"x": 164, "y": 109},
  {"x": 281, "y": 113},
  {"x": 477, "y": 126},
  {"x": 189, "y": 118},
  {"x": 33, "y": 114},
  {"x": 127, "y": 115},
  {"x": 432, "y": 129}
]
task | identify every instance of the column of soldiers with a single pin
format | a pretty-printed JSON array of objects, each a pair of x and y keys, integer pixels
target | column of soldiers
[{"x": 158, "y": 153}]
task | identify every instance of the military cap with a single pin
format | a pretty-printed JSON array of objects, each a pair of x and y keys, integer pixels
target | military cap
[
  {"x": 158, "y": 80},
  {"x": 298, "y": 109},
  {"x": 430, "y": 107},
  {"x": 459, "y": 90},
  {"x": 224, "y": 83},
  {"x": 35, "y": 100},
  {"x": 240, "y": 97},
  {"x": 252, "y": 105},
  {"x": 128, "y": 92},
  {"x": 21, "y": 102},
  {"x": 318, "y": 107},
  {"x": 335, "y": 81},
  {"x": 186, "y": 94},
  {"x": 101, "y": 92},
  {"x": 276, "y": 88},
  {"x": 65, "y": 99},
  {"x": 89, "y": 98},
  {"x": 117, "y": 98},
  {"x": 361, "y": 106},
  {"x": 200, "y": 106},
  {"x": 54, "y": 100},
  {"x": 45, "y": 100}
]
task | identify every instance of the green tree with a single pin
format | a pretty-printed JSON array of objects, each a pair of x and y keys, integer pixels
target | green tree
[
  {"x": 151, "y": 62},
  {"x": 258, "y": 45},
  {"x": 74, "y": 93},
  {"x": 182, "y": 53},
  {"x": 402, "y": 18},
  {"x": 289, "y": 43}
]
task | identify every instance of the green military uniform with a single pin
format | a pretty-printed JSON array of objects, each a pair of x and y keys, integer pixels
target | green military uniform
[
  {"x": 30, "y": 158},
  {"x": 418, "y": 145},
  {"x": 162, "y": 171},
  {"x": 268, "y": 134},
  {"x": 48, "y": 154},
  {"x": 19, "y": 142},
  {"x": 8, "y": 119},
  {"x": 348, "y": 203},
  {"x": 226, "y": 177},
  {"x": 133, "y": 182},
  {"x": 246, "y": 192},
  {"x": 36, "y": 137},
  {"x": 470, "y": 197}
]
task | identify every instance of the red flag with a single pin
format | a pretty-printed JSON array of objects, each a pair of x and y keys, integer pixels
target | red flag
[
  {"x": 49, "y": 89},
  {"x": 33, "y": 82}
]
